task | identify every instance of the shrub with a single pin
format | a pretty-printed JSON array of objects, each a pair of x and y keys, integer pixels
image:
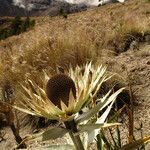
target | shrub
[{"x": 17, "y": 26}]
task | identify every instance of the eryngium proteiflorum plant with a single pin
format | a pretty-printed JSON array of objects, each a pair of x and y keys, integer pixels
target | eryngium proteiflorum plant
[{"x": 66, "y": 96}]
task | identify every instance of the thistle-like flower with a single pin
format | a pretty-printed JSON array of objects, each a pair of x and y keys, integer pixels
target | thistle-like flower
[
  {"x": 62, "y": 96},
  {"x": 65, "y": 94}
]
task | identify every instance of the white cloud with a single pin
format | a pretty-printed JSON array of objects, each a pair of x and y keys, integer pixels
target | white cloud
[
  {"x": 102, "y": 2},
  {"x": 19, "y": 3},
  {"x": 92, "y": 2},
  {"x": 23, "y": 4},
  {"x": 87, "y": 2}
]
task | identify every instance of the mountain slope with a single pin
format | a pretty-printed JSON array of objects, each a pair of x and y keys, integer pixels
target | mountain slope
[{"x": 117, "y": 35}]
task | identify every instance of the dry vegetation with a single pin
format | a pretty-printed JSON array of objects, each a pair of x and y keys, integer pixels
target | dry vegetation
[
  {"x": 92, "y": 35},
  {"x": 101, "y": 34}
]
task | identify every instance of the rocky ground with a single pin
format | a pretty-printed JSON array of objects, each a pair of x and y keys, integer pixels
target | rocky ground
[{"x": 137, "y": 64}]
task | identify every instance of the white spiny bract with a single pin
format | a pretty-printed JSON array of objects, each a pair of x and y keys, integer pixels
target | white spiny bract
[{"x": 87, "y": 81}]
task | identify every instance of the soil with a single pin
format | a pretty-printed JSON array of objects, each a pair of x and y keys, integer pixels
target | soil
[{"x": 136, "y": 63}]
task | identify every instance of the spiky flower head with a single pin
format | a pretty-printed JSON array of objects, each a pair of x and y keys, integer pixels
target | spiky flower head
[
  {"x": 80, "y": 85},
  {"x": 59, "y": 87}
]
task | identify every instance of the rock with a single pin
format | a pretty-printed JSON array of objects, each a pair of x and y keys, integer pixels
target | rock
[{"x": 134, "y": 45}]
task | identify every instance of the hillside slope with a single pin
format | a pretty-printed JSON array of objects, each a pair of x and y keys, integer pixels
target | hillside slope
[{"x": 115, "y": 34}]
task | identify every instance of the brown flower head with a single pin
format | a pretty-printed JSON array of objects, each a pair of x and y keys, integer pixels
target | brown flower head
[{"x": 58, "y": 89}]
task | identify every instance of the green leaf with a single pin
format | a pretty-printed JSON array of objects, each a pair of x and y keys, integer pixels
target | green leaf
[
  {"x": 99, "y": 142},
  {"x": 107, "y": 144},
  {"x": 91, "y": 127},
  {"x": 56, "y": 147},
  {"x": 54, "y": 133}
]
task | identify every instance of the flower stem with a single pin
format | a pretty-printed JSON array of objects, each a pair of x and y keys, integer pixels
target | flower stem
[{"x": 72, "y": 127}]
